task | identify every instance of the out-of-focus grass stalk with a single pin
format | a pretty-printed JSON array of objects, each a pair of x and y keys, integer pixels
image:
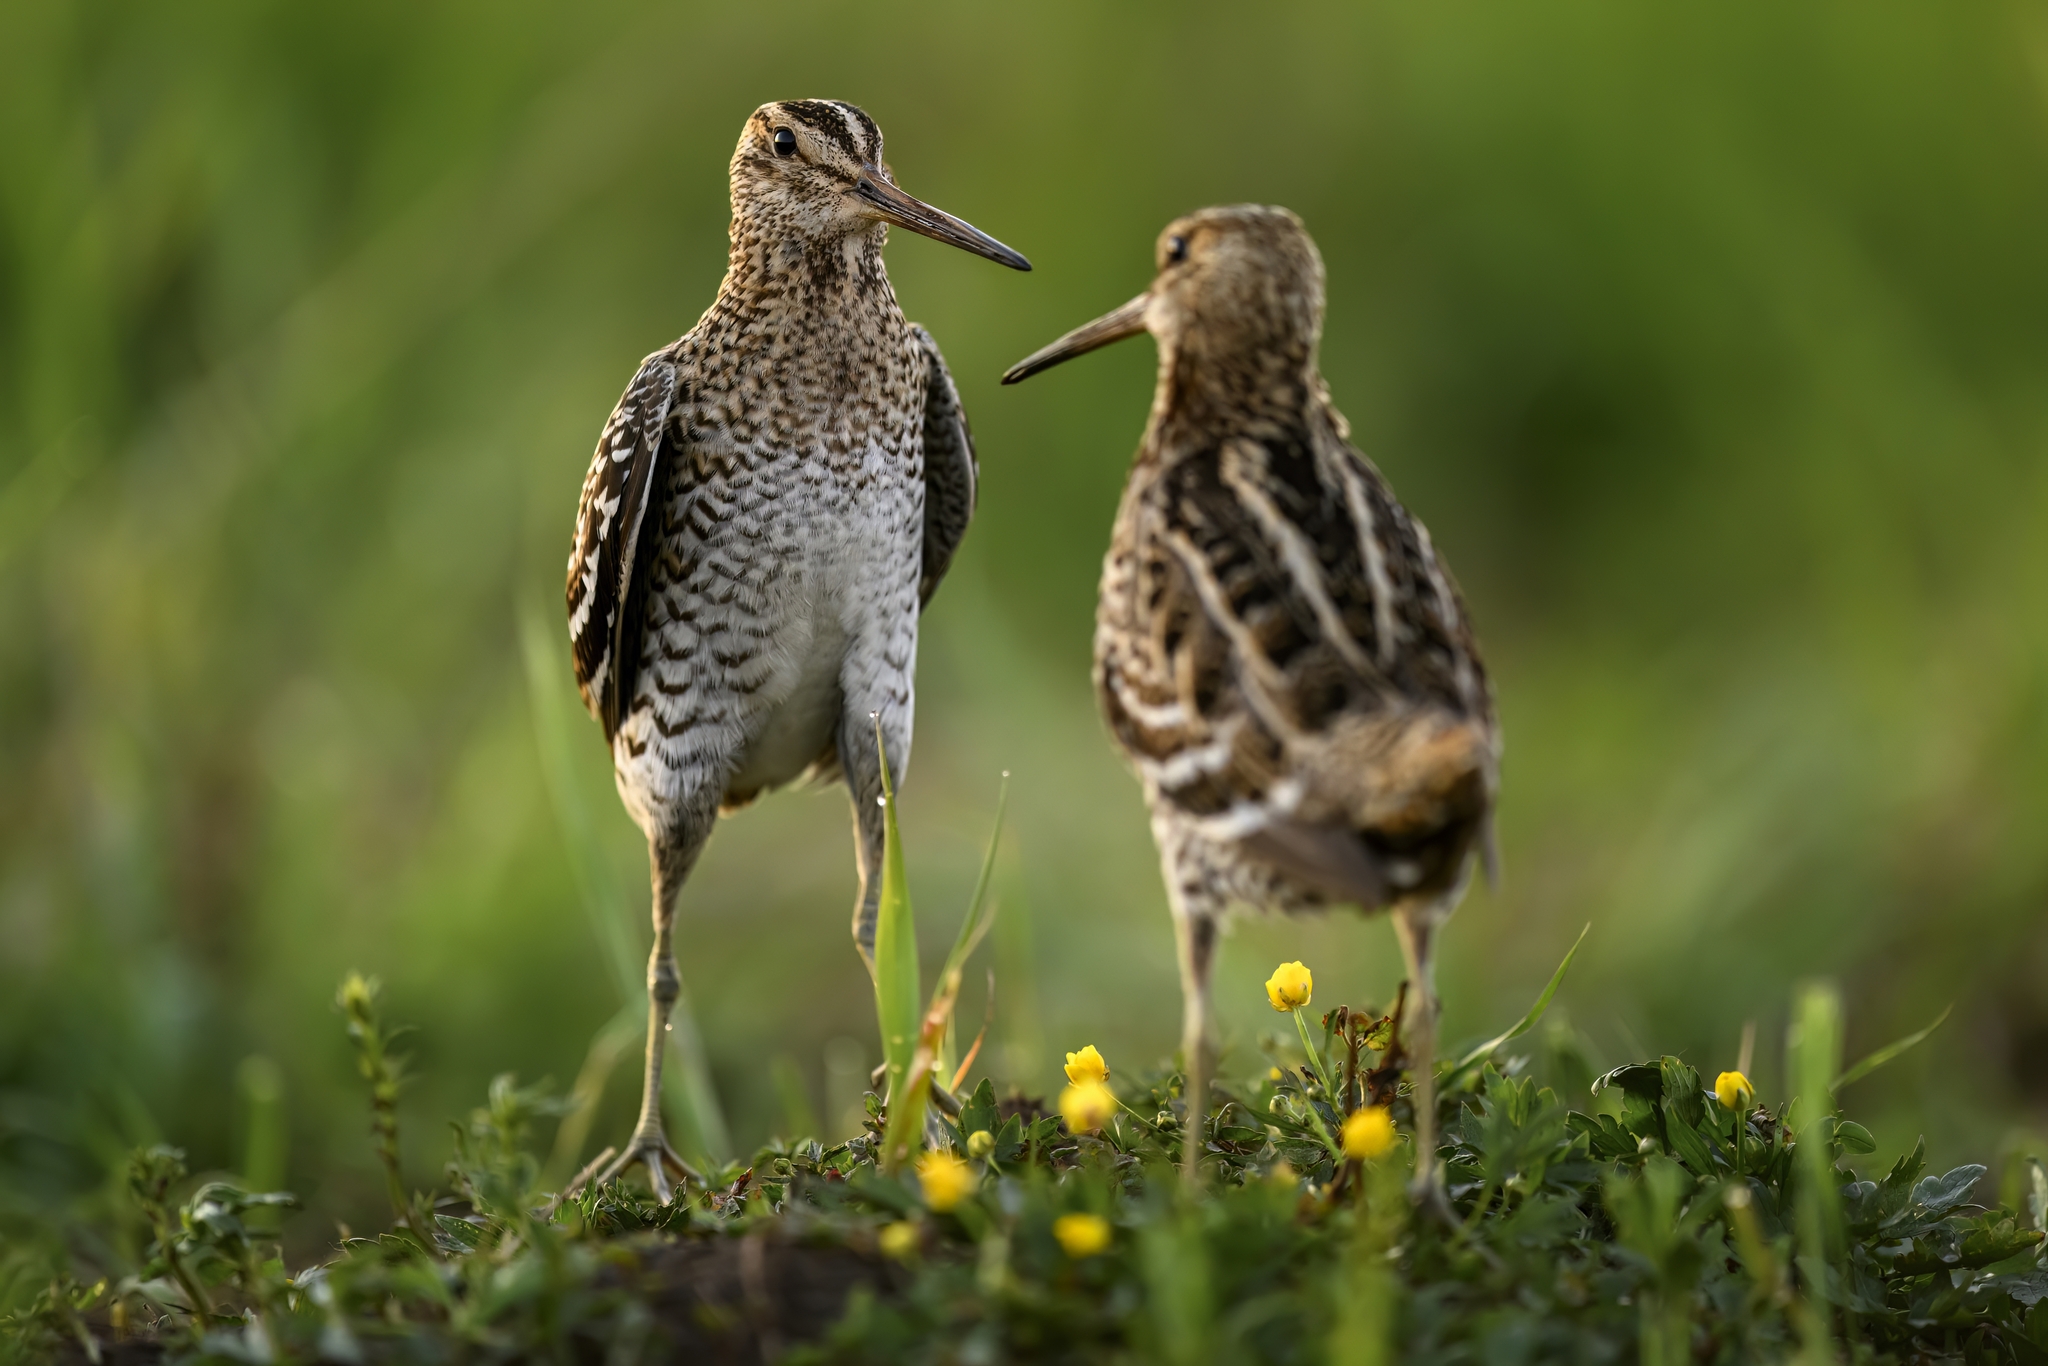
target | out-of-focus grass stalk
[
  {"x": 799, "y": 1120},
  {"x": 613, "y": 1042},
  {"x": 1022, "y": 1028},
  {"x": 1361, "y": 1332},
  {"x": 264, "y": 1141},
  {"x": 1814, "y": 1059},
  {"x": 1453, "y": 1075},
  {"x": 1888, "y": 1053},
  {"x": 1174, "y": 1260},
  {"x": 686, "y": 1085}
]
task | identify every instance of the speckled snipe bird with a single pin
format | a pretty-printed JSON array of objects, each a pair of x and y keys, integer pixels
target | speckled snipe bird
[
  {"x": 1278, "y": 650},
  {"x": 770, "y": 506}
]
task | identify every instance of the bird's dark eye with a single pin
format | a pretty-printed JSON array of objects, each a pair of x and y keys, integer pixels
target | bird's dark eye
[
  {"x": 785, "y": 143},
  {"x": 1176, "y": 248}
]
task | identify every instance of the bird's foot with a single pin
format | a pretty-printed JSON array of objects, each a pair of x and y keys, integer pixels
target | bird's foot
[{"x": 648, "y": 1146}]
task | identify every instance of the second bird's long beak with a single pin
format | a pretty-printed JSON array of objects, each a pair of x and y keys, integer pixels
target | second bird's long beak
[
  {"x": 1127, "y": 321},
  {"x": 891, "y": 205}
]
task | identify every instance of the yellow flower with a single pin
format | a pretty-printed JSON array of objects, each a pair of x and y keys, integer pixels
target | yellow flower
[
  {"x": 899, "y": 1240},
  {"x": 1087, "y": 1106},
  {"x": 1081, "y": 1235},
  {"x": 980, "y": 1143},
  {"x": 1289, "y": 987},
  {"x": 1733, "y": 1090},
  {"x": 1274, "y": 1074},
  {"x": 1086, "y": 1065},
  {"x": 946, "y": 1180},
  {"x": 1283, "y": 1175},
  {"x": 1368, "y": 1133}
]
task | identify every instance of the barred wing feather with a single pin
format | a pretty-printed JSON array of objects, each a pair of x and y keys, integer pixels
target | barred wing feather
[{"x": 605, "y": 557}]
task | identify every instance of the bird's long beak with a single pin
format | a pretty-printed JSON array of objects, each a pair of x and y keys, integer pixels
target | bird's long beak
[
  {"x": 891, "y": 205},
  {"x": 1127, "y": 321}
]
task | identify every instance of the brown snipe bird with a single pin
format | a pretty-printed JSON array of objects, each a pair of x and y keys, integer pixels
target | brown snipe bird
[
  {"x": 1278, "y": 650},
  {"x": 770, "y": 506}
]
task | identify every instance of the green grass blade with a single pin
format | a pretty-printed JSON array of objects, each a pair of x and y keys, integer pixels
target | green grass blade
[
  {"x": 975, "y": 926},
  {"x": 1527, "y": 1022},
  {"x": 1889, "y": 1052},
  {"x": 1813, "y": 1052},
  {"x": 897, "y": 988},
  {"x": 606, "y": 909}
]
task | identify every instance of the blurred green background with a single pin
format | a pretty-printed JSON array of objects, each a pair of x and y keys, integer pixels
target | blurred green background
[{"x": 1711, "y": 342}]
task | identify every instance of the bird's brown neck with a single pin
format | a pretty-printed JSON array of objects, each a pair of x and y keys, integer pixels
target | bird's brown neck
[
  {"x": 813, "y": 281},
  {"x": 1256, "y": 391}
]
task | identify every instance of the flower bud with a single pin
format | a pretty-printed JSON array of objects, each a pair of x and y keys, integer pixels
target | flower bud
[
  {"x": 1733, "y": 1090},
  {"x": 980, "y": 1144},
  {"x": 946, "y": 1180},
  {"x": 899, "y": 1240},
  {"x": 1289, "y": 987},
  {"x": 1087, "y": 1106},
  {"x": 1368, "y": 1133},
  {"x": 1081, "y": 1235},
  {"x": 1086, "y": 1065}
]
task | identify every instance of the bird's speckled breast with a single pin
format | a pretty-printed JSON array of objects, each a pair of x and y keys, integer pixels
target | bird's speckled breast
[{"x": 790, "y": 541}]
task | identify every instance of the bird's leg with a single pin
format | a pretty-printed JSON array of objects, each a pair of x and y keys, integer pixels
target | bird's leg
[
  {"x": 867, "y": 861},
  {"x": 1416, "y": 924},
  {"x": 861, "y": 762},
  {"x": 1194, "y": 928},
  {"x": 649, "y": 1143}
]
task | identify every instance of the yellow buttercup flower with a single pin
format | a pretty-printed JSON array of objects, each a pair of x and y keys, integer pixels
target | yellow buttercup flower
[
  {"x": 899, "y": 1240},
  {"x": 946, "y": 1180},
  {"x": 1086, "y": 1065},
  {"x": 1368, "y": 1133},
  {"x": 1087, "y": 1106},
  {"x": 1081, "y": 1235},
  {"x": 980, "y": 1143},
  {"x": 1733, "y": 1090},
  {"x": 1289, "y": 987}
]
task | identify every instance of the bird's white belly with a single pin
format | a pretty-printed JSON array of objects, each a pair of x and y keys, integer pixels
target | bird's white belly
[{"x": 801, "y": 705}]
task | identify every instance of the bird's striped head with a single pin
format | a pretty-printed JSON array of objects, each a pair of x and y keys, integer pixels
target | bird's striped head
[
  {"x": 1241, "y": 284},
  {"x": 813, "y": 169}
]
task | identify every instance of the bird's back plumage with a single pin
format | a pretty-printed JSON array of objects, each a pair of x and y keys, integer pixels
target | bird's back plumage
[{"x": 1279, "y": 650}]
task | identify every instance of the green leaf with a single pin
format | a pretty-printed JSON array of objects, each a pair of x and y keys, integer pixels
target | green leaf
[
  {"x": 897, "y": 988},
  {"x": 1528, "y": 1021},
  {"x": 981, "y": 912},
  {"x": 1010, "y": 1140},
  {"x": 1682, "y": 1091},
  {"x": 978, "y": 1111},
  {"x": 1687, "y": 1143},
  {"x": 1978, "y": 1247},
  {"x": 1636, "y": 1079},
  {"x": 1889, "y": 1052},
  {"x": 1854, "y": 1137}
]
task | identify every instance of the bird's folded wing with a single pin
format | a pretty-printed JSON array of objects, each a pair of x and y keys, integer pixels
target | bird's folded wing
[
  {"x": 1300, "y": 679},
  {"x": 950, "y": 472},
  {"x": 605, "y": 557}
]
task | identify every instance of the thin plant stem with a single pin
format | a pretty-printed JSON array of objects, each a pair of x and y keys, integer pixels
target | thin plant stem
[{"x": 1315, "y": 1057}]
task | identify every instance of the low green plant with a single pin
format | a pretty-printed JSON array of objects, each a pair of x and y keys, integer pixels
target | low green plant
[{"x": 1642, "y": 1217}]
